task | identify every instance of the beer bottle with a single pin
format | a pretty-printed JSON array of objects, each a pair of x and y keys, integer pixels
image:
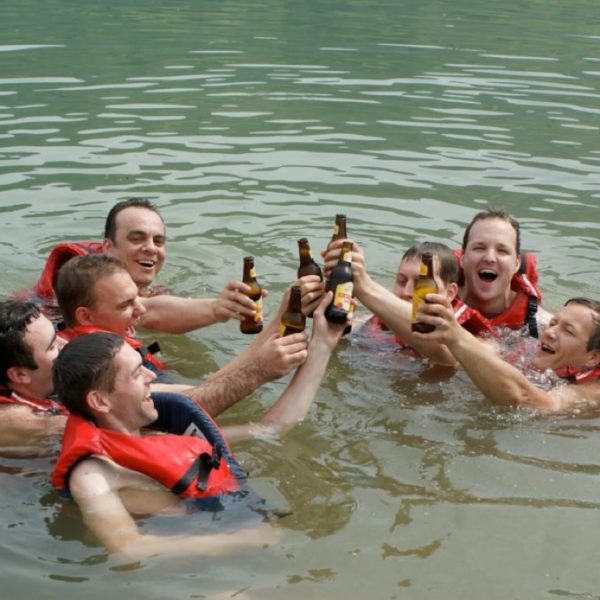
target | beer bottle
[
  {"x": 252, "y": 324},
  {"x": 425, "y": 284},
  {"x": 293, "y": 321},
  {"x": 339, "y": 229},
  {"x": 308, "y": 266},
  {"x": 340, "y": 283}
]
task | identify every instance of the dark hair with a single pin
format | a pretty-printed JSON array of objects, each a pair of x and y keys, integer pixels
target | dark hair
[
  {"x": 110, "y": 225},
  {"x": 492, "y": 213},
  {"x": 447, "y": 258},
  {"x": 15, "y": 316},
  {"x": 594, "y": 306},
  {"x": 85, "y": 364},
  {"x": 75, "y": 284}
]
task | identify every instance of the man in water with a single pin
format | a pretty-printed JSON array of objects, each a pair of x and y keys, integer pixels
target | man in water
[
  {"x": 569, "y": 347},
  {"x": 135, "y": 233},
  {"x": 96, "y": 293},
  {"x": 102, "y": 382}
]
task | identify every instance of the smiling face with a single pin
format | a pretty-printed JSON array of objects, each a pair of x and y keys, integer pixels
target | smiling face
[
  {"x": 116, "y": 308},
  {"x": 140, "y": 243},
  {"x": 41, "y": 337},
  {"x": 489, "y": 262},
  {"x": 564, "y": 342}
]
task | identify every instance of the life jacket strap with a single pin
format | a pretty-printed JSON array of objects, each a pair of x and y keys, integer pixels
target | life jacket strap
[
  {"x": 200, "y": 469},
  {"x": 530, "y": 318}
]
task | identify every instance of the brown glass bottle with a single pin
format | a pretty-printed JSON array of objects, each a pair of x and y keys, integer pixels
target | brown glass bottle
[
  {"x": 339, "y": 229},
  {"x": 293, "y": 321},
  {"x": 425, "y": 284},
  {"x": 340, "y": 283},
  {"x": 252, "y": 324},
  {"x": 308, "y": 265}
]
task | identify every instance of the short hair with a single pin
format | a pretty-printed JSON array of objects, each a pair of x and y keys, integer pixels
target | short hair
[
  {"x": 75, "y": 284},
  {"x": 492, "y": 213},
  {"x": 15, "y": 317},
  {"x": 594, "y": 341},
  {"x": 85, "y": 364},
  {"x": 110, "y": 225},
  {"x": 447, "y": 258}
]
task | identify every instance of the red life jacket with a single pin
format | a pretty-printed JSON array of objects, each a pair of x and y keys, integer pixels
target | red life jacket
[
  {"x": 579, "y": 375},
  {"x": 523, "y": 308},
  {"x": 188, "y": 466},
  {"x": 38, "y": 406},
  {"x": 147, "y": 352},
  {"x": 59, "y": 255}
]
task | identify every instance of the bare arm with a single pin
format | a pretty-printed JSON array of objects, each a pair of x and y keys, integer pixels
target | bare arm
[
  {"x": 499, "y": 381},
  {"x": 173, "y": 314},
  {"x": 25, "y": 433},
  {"x": 393, "y": 311},
  {"x": 293, "y": 405},
  {"x": 95, "y": 486}
]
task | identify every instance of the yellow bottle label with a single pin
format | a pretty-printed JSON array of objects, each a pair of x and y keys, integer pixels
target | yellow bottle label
[
  {"x": 336, "y": 229},
  {"x": 419, "y": 298},
  {"x": 342, "y": 298},
  {"x": 258, "y": 315},
  {"x": 252, "y": 273},
  {"x": 281, "y": 330}
]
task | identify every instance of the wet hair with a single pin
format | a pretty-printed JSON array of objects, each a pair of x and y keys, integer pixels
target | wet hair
[
  {"x": 447, "y": 258},
  {"x": 15, "y": 316},
  {"x": 110, "y": 225},
  {"x": 75, "y": 284},
  {"x": 492, "y": 213},
  {"x": 85, "y": 364},
  {"x": 594, "y": 306}
]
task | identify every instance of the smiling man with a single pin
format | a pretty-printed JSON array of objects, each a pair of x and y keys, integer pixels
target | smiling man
[
  {"x": 569, "y": 347},
  {"x": 135, "y": 233}
]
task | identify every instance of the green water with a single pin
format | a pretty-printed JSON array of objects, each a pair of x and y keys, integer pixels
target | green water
[{"x": 251, "y": 124}]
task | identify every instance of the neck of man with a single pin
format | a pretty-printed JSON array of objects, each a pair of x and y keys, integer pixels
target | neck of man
[{"x": 488, "y": 308}]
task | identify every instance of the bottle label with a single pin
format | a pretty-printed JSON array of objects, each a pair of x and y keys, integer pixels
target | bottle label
[
  {"x": 342, "y": 298},
  {"x": 252, "y": 273},
  {"x": 336, "y": 229},
  {"x": 281, "y": 330},
  {"x": 419, "y": 298},
  {"x": 258, "y": 315}
]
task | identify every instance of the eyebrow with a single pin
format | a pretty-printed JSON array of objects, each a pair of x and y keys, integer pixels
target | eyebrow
[
  {"x": 142, "y": 232},
  {"x": 138, "y": 366}
]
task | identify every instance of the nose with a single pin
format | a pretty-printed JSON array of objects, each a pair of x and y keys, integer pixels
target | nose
[
  {"x": 149, "y": 245},
  {"x": 138, "y": 308},
  {"x": 150, "y": 375}
]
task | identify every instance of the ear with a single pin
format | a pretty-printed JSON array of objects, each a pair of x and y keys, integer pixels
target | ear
[
  {"x": 593, "y": 359},
  {"x": 518, "y": 263},
  {"x": 451, "y": 291},
  {"x": 107, "y": 245},
  {"x": 83, "y": 316},
  {"x": 97, "y": 402},
  {"x": 18, "y": 375}
]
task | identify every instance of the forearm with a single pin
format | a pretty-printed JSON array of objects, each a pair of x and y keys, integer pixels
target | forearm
[
  {"x": 499, "y": 381},
  {"x": 397, "y": 315},
  {"x": 172, "y": 314}
]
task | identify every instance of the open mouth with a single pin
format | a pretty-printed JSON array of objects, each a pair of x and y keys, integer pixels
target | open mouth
[
  {"x": 147, "y": 264},
  {"x": 547, "y": 349},
  {"x": 487, "y": 275}
]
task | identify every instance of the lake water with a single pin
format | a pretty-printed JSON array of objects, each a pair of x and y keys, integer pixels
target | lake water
[{"x": 251, "y": 124}]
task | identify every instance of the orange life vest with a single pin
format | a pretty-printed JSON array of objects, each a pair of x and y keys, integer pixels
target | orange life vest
[
  {"x": 36, "y": 405},
  {"x": 188, "y": 466},
  {"x": 579, "y": 375},
  {"x": 147, "y": 352},
  {"x": 522, "y": 310}
]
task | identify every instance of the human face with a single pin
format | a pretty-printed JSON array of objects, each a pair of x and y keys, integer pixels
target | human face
[
  {"x": 41, "y": 337},
  {"x": 139, "y": 243},
  {"x": 117, "y": 307},
  {"x": 563, "y": 343},
  {"x": 489, "y": 262},
  {"x": 131, "y": 406},
  {"x": 408, "y": 271}
]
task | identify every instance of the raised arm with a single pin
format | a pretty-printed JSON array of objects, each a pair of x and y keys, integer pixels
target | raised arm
[
  {"x": 174, "y": 314},
  {"x": 95, "y": 486},
  {"x": 293, "y": 405},
  {"x": 499, "y": 381}
]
